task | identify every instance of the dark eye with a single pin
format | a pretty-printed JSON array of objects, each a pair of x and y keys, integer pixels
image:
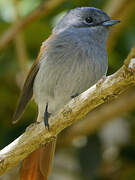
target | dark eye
[{"x": 89, "y": 20}]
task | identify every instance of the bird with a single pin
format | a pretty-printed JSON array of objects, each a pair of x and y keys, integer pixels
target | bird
[{"x": 70, "y": 61}]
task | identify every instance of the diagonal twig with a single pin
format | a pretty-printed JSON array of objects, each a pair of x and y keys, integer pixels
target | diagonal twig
[
  {"x": 97, "y": 118},
  {"x": 43, "y": 9}
]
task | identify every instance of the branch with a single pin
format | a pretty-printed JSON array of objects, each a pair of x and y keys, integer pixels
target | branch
[
  {"x": 20, "y": 47},
  {"x": 114, "y": 7},
  {"x": 109, "y": 88},
  {"x": 97, "y": 118},
  {"x": 44, "y": 9},
  {"x": 122, "y": 10}
]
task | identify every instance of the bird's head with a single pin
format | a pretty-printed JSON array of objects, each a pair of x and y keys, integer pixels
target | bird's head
[{"x": 86, "y": 17}]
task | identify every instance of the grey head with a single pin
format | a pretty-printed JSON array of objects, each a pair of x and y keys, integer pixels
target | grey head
[{"x": 85, "y": 17}]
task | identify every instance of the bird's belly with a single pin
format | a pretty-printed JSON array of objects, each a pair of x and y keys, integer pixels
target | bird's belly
[{"x": 56, "y": 86}]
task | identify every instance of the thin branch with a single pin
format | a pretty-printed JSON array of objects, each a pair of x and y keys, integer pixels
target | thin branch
[
  {"x": 109, "y": 88},
  {"x": 114, "y": 7},
  {"x": 97, "y": 118},
  {"x": 121, "y": 10},
  {"x": 44, "y": 9},
  {"x": 19, "y": 43}
]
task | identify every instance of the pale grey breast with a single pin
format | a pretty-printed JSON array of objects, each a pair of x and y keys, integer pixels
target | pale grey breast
[{"x": 71, "y": 64}]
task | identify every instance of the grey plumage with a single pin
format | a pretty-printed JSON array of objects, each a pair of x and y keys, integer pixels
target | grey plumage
[{"x": 73, "y": 59}]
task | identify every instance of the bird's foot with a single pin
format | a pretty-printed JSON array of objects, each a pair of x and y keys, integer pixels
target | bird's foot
[{"x": 74, "y": 95}]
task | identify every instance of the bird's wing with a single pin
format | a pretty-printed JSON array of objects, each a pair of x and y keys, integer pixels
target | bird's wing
[{"x": 27, "y": 90}]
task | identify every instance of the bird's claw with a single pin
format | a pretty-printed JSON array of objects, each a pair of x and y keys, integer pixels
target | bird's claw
[{"x": 74, "y": 95}]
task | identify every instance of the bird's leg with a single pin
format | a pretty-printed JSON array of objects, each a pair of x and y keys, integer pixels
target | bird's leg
[
  {"x": 74, "y": 95},
  {"x": 46, "y": 117}
]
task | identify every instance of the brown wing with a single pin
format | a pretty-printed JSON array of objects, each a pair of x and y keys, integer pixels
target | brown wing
[{"x": 27, "y": 91}]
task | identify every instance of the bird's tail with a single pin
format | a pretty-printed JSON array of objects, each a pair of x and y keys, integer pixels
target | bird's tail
[{"x": 37, "y": 166}]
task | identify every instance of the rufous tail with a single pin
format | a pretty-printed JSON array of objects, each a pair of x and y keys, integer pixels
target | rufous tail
[{"x": 37, "y": 166}]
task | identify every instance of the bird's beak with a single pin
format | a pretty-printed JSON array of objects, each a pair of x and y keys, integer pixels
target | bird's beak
[{"x": 110, "y": 22}]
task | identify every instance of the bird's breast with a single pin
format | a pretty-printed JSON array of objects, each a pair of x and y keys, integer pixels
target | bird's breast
[{"x": 68, "y": 69}]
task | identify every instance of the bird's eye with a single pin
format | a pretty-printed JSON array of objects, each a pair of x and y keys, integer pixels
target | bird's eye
[{"x": 89, "y": 20}]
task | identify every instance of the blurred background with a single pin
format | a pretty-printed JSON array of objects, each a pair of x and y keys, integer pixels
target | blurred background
[{"x": 102, "y": 147}]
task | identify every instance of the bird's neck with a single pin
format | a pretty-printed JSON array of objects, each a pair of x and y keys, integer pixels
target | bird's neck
[
  {"x": 99, "y": 34},
  {"x": 91, "y": 35}
]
